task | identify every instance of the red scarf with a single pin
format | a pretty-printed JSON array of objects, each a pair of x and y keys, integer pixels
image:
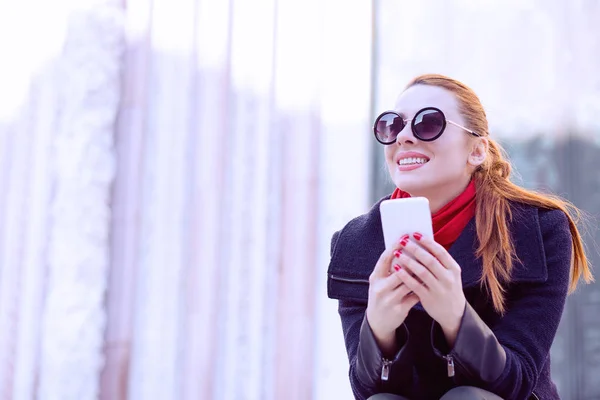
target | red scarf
[{"x": 450, "y": 220}]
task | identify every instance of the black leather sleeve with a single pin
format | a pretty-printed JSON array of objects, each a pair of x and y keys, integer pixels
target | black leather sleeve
[
  {"x": 366, "y": 359},
  {"x": 477, "y": 352}
]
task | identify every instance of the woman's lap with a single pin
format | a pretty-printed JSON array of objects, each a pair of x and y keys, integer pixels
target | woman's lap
[
  {"x": 458, "y": 393},
  {"x": 469, "y": 393},
  {"x": 387, "y": 396}
]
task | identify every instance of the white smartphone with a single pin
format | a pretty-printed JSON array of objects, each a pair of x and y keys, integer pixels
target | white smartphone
[{"x": 404, "y": 217}]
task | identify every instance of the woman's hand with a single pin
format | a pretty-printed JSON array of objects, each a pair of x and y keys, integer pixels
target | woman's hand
[
  {"x": 439, "y": 285},
  {"x": 389, "y": 302}
]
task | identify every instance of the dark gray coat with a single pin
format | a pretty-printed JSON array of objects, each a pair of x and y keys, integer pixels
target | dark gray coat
[{"x": 506, "y": 355}]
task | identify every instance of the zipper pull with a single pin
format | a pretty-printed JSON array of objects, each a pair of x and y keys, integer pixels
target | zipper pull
[
  {"x": 385, "y": 370},
  {"x": 450, "y": 366}
]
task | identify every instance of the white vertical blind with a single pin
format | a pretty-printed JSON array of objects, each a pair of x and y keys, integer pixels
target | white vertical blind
[
  {"x": 232, "y": 113},
  {"x": 173, "y": 173}
]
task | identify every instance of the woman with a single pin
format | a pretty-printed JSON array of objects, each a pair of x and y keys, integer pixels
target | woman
[{"x": 471, "y": 314}]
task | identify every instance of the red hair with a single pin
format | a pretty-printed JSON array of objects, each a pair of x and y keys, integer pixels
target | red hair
[{"x": 494, "y": 192}]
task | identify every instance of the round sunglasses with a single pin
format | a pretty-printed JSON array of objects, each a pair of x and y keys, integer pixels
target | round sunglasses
[{"x": 427, "y": 125}]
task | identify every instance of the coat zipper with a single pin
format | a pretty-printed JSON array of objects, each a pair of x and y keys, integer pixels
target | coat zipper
[
  {"x": 450, "y": 365},
  {"x": 349, "y": 280},
  {"x": 385, "y": 369}
]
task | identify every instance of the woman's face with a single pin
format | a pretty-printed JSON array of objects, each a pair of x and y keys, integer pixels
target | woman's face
[{"x": 445, "y": 165}]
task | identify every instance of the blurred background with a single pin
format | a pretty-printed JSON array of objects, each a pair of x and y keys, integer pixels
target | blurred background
[{"x": 171, "y": 173}]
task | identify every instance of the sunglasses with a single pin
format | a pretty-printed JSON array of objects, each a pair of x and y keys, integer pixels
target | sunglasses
[{"x": 427, "y": 125}]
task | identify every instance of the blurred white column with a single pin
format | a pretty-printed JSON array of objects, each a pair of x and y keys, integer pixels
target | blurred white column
[
  {"x": 72, "y": 329},
  {"x": 344, "y": 171}
]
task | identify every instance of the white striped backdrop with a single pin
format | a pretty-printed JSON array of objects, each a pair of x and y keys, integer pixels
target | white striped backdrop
[
  {"x": 171, "y": 178},
  {"x": 172, "y": 183}
]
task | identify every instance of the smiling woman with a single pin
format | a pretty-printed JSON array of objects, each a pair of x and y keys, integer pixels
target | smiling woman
[
  {"x": 449, "y": 317},
  {"x": 447, "y": 156}
]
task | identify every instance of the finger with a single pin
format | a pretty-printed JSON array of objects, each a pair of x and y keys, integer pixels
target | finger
[
  {"x": 382, "y": 287},
  {"x": 389, "y": 291},
  {"x": 418, "y": 288},
  {"x": 397, "y": 267},
  {"x": 425, "y": 258},
  {"x": 397, "y": 256},
  {"x": 438, "y": 251},
  {"x": 381, "y": 269},
  {"x": 392, "y": 282},
  {"x": 410, "y": 300},
  {"x": 399, "y": 293},
  {"x": 419, "y": 271},
  {"x": 407, "y": 302}
]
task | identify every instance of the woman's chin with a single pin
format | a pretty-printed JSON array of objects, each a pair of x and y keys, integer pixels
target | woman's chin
[{"x": 410, "y": 185}]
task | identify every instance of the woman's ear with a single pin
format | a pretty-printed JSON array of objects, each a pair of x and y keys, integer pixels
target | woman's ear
[{"x": 479, "y": 152}]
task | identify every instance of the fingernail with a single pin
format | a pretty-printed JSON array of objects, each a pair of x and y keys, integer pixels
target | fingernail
[
  {"x": 397, "y": 253},
  {"x": 397, "y": 267},
  {"x": 404, "y": 242},
  {"x": 417, "y": 236}
]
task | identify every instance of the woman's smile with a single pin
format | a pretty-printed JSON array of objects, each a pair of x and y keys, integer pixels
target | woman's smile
[{"x": 409, "y": 160}]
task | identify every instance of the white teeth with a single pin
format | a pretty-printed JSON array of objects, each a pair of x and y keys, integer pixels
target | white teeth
[{"x": 412, "y": 160}]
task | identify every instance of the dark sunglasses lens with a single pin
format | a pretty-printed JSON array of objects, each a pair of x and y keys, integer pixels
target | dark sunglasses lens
[
  {"x": 388, "y": 126},
  {"x": 429, "y": 124}
]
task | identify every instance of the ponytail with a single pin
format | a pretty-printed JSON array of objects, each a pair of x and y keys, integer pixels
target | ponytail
[{"x": 495, "y": 191}]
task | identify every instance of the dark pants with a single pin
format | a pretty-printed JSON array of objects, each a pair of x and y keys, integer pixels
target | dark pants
[{"x": 458, "y": 393}]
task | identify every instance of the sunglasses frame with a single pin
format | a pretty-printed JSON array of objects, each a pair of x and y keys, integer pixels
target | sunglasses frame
[{"x": 412, "y": 125}]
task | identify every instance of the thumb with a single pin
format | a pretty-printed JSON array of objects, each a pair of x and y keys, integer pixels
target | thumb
[{"x": 382, "y": 267}]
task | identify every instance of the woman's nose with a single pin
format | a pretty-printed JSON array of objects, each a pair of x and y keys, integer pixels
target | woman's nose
[{"x": 405, "y": 135}]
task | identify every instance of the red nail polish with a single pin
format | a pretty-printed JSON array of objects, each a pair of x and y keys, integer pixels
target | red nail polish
[
  {"x": 403, "y": 238},
  {"x": 417, "y": 236},
  {"x": 397, "y": 267},
  {"x": 404, "y": 242},
  {"x": 397, "y": 253}
]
